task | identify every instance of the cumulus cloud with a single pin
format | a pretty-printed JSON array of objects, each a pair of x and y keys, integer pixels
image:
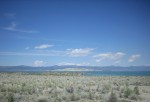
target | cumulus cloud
[
  {"x": 109, "y": 56},
  {"x": 79, "y": 52},
  {"x": 13, "y": 27},
  {"x": 65, "y": 63},
  {"x": 77, "y": 64},
  {"x": 44, "y": 46},
  {"x": 39, "y": 63},
  {"x": 134, "y": 57}
]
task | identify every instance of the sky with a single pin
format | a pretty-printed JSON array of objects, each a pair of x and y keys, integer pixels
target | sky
[{"x": 75, "y": 32}]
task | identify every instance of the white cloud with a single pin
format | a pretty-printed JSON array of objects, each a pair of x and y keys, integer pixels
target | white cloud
[
  {"x": 109, "y": 56},
  {"x": 39, "y": 63},
  {"x": 65, "y": 63},
  {"x": 44, "y": 46},
  {"x": 13, "y": 26},
  {"x": 79, "y": 52},
  {"x": 77, "y": 64},
  {"x": 134, "y": 57}
]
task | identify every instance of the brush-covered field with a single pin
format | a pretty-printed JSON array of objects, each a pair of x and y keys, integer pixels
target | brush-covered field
[{"x": 73, "y": 87}]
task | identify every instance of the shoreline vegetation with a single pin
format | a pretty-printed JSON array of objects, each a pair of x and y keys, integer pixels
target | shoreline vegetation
[{"x": 72, "y": 87}]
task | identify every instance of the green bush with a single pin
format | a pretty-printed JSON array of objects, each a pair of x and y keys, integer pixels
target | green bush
[
  {"x": 10, "y": 97},
  {"x": 70, "y": 89},
  {"x": 124, "y": 100},
  {"x": 136, "y": 90},
  {"x": 127, "y": 92},
  {"x": 42, "y": 99},
  {"x": 112, "y": 97},
  {"x": 133, "y": 96},
  {"x": 73, "y": 97},
  {"x": 90, "y": 95}
]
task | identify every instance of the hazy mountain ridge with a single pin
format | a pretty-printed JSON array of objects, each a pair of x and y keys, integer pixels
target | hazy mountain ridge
[{"x": 74, "y": 68}]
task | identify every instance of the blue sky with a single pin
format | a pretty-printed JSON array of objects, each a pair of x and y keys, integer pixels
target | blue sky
[{"x": 74, "y": 32}]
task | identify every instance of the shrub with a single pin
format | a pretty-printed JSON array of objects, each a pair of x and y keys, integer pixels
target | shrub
[
  {"x": 106, "y": 88},
  {"x": 127, "y": 92},
  {"x": 124, "y": 100},
  {"x": 23, "y": 84},
  {"x": 42, "y": 99},
  {"x": 136, "y": 90},
  {"x": 10, "y": 97},
  {"x": 70, "y": 89},
  {"x": 90, "y": 95},
  {"x": 74, "y": 97},
  {"x": 112, "y": 97},
  {"x": 133, "y": 96}
]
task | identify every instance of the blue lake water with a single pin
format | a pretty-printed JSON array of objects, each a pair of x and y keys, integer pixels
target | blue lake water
[
  {"x": 95, "y": 73},
  {"x": 107, "y": 73},
  {"x": 117, "y": 73}
]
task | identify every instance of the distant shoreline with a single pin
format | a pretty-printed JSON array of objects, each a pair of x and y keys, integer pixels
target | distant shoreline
[{"x": 85, "y": 73}]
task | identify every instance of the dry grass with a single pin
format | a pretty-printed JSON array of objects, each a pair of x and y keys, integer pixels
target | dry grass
[{"x": 20, "y": 87}]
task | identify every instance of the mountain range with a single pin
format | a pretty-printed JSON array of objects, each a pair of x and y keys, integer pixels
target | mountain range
[{"x": 73, "y": 68}]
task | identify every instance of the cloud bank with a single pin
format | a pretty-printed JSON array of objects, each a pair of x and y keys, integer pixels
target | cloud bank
[
  {"x": 134, "y": 57},
  {"x": 39, "y": 63},
  {"x": 44, "y": 46},
  {"x": 13, "y": 27},
  {"x": 79, "y": 52},
  {"x": 109, "y": 56},
  {"x": 76, "y": 64}
]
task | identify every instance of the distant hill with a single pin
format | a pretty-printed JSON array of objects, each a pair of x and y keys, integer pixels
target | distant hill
[{"x": 73, "y": 68}]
